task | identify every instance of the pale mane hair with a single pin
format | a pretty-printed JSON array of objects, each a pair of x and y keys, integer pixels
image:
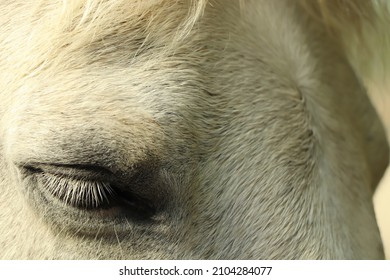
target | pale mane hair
[
  {"x": 79, "y": 25},
  {"x": 98, "y": 16}
]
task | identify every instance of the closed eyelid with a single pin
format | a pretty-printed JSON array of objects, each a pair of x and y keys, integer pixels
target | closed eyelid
[
  {"x": 89, "y": 194},
  {"x": 80, "y": 171}
]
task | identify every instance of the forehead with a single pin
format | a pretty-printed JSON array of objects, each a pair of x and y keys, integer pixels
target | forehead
[
  {"x": 69, "y": 35},
  {"x": 54, "y": 30}
]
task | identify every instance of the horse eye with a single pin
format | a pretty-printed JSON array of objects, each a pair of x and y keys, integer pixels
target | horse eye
[
  {"x": 88, "y": 189},
  {"x": 77, "y": 192}
]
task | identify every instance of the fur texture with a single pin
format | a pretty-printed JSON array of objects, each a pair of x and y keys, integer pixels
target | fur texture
[
  {"x": 243, "y": 122},
  {"x": 362, "y": 28}
]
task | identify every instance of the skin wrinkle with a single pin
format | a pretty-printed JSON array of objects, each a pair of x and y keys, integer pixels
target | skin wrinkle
[{"x": 242, "y": 123}]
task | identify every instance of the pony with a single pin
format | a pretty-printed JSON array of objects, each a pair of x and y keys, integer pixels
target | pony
[{"x": 187, "y": 129}]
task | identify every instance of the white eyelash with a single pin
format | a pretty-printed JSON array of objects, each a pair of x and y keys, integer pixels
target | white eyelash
[{"x": 76, "y": 191}]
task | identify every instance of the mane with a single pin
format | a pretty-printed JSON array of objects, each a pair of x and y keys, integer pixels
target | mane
[
  {"x": 100, "y": 18},
  {"x": 63, "y": 27}
]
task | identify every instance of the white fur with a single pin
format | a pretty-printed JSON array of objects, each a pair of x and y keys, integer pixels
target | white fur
[
  {"x": 266, "y": 142},
  {"x": 362, "y": 28}
]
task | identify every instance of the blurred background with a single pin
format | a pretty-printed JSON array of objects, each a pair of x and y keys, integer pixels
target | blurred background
[
  {"x": 381, "y": 101},
  {"x": 382, "y": 209}
]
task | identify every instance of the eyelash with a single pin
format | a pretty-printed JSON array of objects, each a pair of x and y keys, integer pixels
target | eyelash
[{"x": 77, "y": 192}]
